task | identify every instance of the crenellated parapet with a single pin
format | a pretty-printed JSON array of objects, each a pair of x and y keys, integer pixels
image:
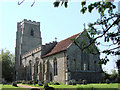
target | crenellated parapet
[
  {"x": 50, "y": 43},
  {"x": 28, "y": 21},
  {"x": 48, "y": 47}
]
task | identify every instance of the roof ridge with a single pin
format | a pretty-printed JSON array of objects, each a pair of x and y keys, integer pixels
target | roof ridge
[
  {"x": 70, "y": 37},
  {"x": 62, "y": 45}
]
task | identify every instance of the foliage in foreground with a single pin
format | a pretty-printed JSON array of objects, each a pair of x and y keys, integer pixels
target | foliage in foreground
[
  {"x": 113, "y": 78},
  {"x": 7, "y": 60}
]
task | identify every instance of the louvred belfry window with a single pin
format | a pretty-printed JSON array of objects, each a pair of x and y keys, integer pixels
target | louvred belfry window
[{"x": 32, "y": 32}]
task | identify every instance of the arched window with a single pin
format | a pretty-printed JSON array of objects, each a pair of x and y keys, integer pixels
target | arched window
[
  {"x": 32, "y": 32},
  {"x": 40, "y": 67},
  {"x": 55, "y": 67},
  {"x": 30, "y": 67},
  {"x": 36, "y": 65},
  {"x": 30, "y": 70}
]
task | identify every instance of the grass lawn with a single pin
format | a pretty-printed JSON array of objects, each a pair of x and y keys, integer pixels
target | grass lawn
[
  {"x": 10, "y": 87},
  {"x": 115, "y": 85},
  {"x": 111, "y": 85},
  {"x": 36, "y": 85}
]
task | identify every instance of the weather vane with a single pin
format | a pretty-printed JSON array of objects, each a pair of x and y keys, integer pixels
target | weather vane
[{"x": 55, "y": 39}]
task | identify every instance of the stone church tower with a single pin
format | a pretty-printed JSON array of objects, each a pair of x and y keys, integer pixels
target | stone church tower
[{"x": 28, "y": 36}]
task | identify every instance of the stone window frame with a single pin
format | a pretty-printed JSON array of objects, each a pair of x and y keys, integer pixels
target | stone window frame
[{"x": 55, "y": 66}]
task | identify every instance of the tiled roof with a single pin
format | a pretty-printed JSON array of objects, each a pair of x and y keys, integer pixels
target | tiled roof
[{"x": 62, "y": 45}]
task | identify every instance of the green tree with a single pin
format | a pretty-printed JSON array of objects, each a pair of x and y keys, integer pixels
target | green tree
[
  {"x": 114, "y": 76},
  {"x": 7, "y": 60},
  {"x": 106, "y": 75}
]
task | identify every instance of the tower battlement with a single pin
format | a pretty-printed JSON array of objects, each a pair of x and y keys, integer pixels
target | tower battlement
[{"x": 29, "y": 21}]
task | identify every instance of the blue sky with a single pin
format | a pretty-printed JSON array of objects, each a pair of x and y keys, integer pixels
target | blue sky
[{"x": 54, "y": 22}]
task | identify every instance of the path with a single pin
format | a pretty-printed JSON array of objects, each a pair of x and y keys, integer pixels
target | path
[{"x": 26, "y": 86}]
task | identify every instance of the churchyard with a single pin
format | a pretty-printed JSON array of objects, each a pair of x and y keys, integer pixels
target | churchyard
[{"x": 97, "y": 86}]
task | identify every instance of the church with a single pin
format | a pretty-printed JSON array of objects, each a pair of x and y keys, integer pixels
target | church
[{"x": 55, "y": 61}]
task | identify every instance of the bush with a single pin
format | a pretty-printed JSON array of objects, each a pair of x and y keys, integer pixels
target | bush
[
  {"x": 40, "y": 83},
  {"x": 79, "y": 81},
  {"x": 46, "y": 84},
  {"x": 19, "y": 81},
  {"x": 56, "y": 83},
  {"x": 84, "y": 82},
  {"x": 51, "y": 83},
  {"x": 107, "y": 81},
  {"x": 35, "y": 82},
  {"x": 14, "y": 84},
  {"x": 4, "y": 82},
  {"x": 118, "y": 77},
  {"x": 23, "y": 82},
  {"x": 29, "y": 82},
  {"x": 72, "y": 82}
]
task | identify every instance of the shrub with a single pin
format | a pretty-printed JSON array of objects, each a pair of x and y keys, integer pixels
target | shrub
[
  {"x": 19, "y": 81},
  {"x": 29, "y": 82},
  {"x": 56, "y": 83},
  {"x": 72, "y": 82},
  {"x": 79, "y": 81},
  {"x": 40, "y": 83},
  {"x": 84, "y": 82},
  {"x": 51, "y": 83},
  {"x": 14, "y": 84},
  {"x": 107, "y": 81},
  {"x": 23, "y": 82},
  {"x": 35, "y": 82},
  {"x": 4, "y": 82},
  {"x": 46, "y": 84}
]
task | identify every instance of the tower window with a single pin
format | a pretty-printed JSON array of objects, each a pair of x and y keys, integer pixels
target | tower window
[{"x": 32, "y": 32}]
